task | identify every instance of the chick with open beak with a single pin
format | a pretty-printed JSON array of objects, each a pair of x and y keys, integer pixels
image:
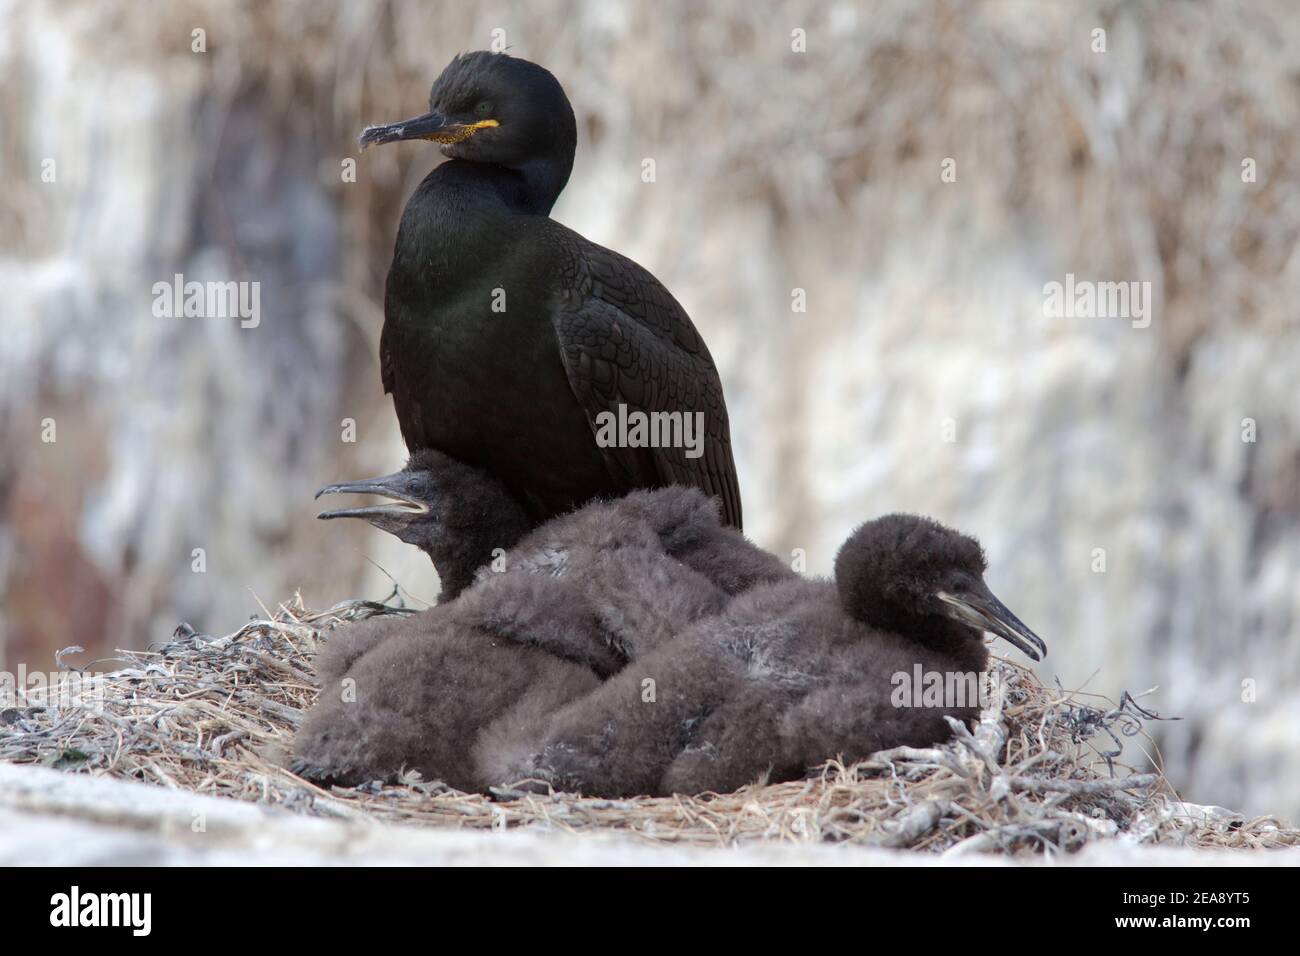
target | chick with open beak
[{"x": 456, "y": 514}]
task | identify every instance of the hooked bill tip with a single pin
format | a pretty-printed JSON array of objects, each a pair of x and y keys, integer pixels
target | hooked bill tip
[
  {"x": 328, "y": 490},
  {"x": 373, "y": 135}
]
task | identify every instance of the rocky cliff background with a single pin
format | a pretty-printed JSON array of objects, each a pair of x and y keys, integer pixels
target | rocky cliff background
[{"x": 920, "y": 170}]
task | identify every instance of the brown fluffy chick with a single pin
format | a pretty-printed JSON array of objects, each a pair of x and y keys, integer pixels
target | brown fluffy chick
[
  {"x": 427, "y": 694},
  {"x": 789, "y": 675},
  {"x": 506, "y": 683},
  {"x": 445, "y": 691},
  {"x": 465, "y": 520}
]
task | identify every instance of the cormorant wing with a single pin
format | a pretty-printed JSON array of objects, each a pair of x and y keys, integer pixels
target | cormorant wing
[{"x": 624, "y": 340}]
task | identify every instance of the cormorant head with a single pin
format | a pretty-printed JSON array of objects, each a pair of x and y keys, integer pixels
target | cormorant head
[
  {"x": 455, "y": 513},
  {"x": 917, "y": 578},
  {"x": 408, "y": 513},
  {"x": 498, "y": 109},
  {"x": 433, "y": 502}
]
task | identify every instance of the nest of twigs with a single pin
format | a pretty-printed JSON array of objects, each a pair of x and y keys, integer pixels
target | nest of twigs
[{"x": 1039, "y": 773}]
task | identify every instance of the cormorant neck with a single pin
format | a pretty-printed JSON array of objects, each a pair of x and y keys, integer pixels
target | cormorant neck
[
  {"x": 544, "y": 179},
  {"x": 936, "y": 632},
  {"x": 530, "y": 188},
  {"x": 463, "y": 185}
]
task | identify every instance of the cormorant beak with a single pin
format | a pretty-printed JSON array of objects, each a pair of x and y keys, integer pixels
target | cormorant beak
[
  {"x": 398, "y": 488},
  {"x": 980, "y": 609},
  {"x": 431, "y": 125}
]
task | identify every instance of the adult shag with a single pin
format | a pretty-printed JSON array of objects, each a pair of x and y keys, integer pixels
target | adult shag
[{"x": 507, "y": 337}]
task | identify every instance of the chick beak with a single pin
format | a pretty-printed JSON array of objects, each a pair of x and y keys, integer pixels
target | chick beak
[
  {"x": 432, "y": 125},
  {"x": 979, "y": 608},
  {"x": 396, "y": 487}
]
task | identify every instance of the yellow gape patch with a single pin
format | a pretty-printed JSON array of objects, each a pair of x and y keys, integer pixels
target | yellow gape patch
[{"x": 461, "y": 132}]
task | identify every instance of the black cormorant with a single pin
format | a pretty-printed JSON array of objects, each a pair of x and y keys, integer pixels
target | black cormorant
[{"x": 507, "y": 336}]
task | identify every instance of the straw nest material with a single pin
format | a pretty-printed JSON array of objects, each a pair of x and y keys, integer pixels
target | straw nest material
[{"x": 1039, "y": 774}]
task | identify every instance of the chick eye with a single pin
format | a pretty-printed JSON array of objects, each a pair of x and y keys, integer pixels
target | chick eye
[{"x": 483, "y": 109}]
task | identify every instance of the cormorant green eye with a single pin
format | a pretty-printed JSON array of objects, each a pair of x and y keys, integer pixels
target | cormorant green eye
[{"x": 483, "y": 109}]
